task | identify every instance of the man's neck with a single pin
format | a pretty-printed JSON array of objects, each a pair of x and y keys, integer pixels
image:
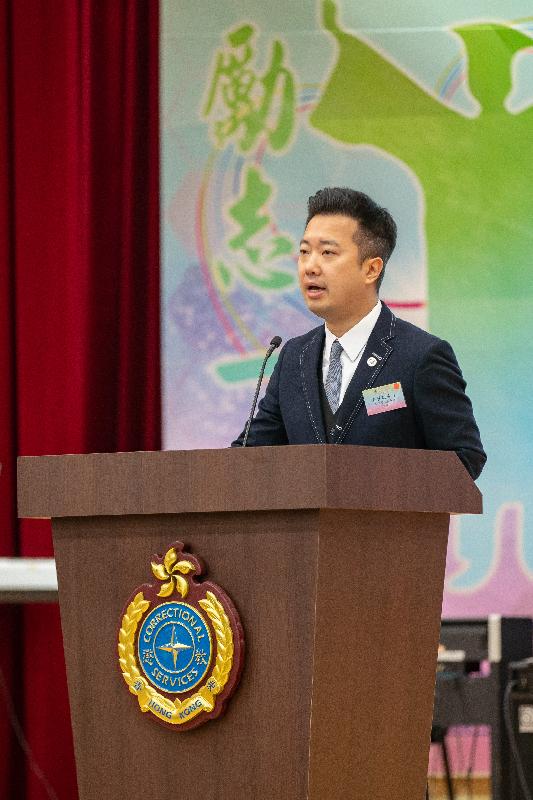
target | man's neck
[{"x": 339, "y": 327}]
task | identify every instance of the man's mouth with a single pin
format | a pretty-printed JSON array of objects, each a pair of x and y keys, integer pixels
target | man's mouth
[{"x": 314, "y": 290}]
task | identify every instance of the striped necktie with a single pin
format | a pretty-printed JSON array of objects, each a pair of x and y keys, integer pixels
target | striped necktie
[{"x": 332, "y": 387}]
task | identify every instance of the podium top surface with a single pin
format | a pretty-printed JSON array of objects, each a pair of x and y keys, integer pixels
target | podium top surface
[{"x": 245, "y": 479}]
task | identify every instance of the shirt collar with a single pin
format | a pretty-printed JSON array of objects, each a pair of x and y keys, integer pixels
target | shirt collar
[{"x": 356, "y": 338}]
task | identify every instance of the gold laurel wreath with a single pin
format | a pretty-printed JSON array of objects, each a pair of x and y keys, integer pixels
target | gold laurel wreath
[
  {"x": 215, "y": 611},
  {"x": 126, "y": 637},
  {"x": 146, "y": 694}
]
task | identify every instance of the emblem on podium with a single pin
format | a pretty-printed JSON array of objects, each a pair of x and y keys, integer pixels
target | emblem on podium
[{"x": 180, "y": 643}]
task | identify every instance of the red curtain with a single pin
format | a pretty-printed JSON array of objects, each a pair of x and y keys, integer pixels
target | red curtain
[
  {"x": 79, "y": 306},
  {"x": 10, "y": 617}
]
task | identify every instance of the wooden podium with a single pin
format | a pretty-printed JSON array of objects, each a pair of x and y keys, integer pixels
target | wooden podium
[{"x": 334, "y": 557}]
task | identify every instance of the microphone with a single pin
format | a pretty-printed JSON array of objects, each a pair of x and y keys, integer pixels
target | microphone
[{"x": 275, "y": 342}]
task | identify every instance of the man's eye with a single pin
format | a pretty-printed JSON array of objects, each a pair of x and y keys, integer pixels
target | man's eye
[
  {"x": 328, "y": 253},
  {"x": 303, "y": 252}
]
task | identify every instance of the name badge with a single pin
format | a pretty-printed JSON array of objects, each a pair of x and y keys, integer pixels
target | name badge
[{"x": 384, "y": 398}]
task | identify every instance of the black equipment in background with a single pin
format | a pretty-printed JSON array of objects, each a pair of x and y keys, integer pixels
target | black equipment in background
[
  {"x": 518, "y": 711},
  {"x": 472, "y": 675}
]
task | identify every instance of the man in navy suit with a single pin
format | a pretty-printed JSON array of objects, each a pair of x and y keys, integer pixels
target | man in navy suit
[{"x": 365, "y": 377}]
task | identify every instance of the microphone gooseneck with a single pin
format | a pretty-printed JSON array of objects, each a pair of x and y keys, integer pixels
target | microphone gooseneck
[{"x": 274, "y": 343}]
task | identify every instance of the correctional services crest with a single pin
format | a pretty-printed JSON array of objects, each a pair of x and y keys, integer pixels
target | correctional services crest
[{"x": 180, "y": 643}]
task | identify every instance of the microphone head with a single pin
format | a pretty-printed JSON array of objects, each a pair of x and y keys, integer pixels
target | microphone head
[{"x": 275, "y": 342}]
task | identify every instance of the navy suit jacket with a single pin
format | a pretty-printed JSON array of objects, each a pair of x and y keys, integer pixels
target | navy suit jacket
[{"x": 438, "y": 414}]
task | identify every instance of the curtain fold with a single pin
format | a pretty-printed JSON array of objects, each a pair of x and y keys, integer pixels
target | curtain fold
[
  {"x": 79, "y": 324},
  {"x": 10, "y": 616}
]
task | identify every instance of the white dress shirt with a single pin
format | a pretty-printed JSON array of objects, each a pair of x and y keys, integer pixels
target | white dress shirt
[{"x": 353, "y": 343}]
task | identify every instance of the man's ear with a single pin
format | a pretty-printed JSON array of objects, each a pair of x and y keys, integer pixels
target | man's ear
[{"x": 373, "y": 267}]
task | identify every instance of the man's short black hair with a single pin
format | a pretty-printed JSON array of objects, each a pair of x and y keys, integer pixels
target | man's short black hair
[{"x": 376, "y": 234}]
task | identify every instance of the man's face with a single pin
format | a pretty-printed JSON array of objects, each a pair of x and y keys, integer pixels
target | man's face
[{"x": 335, "y": 285}]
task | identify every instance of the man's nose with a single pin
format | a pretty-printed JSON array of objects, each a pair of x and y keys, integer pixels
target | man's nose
[{"x": 312, "y": 264}]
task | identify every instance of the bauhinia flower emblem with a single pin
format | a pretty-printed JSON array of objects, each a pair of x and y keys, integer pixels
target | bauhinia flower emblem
[{"x": 171, "y": 571}]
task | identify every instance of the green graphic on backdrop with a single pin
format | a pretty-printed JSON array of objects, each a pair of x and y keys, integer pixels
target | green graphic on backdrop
[
  {"x": 475, "y": 172},
  {"x": 248, "y": 109},
  {"x": 249, "y": 104},
  {"x": 255, "y": 241}
]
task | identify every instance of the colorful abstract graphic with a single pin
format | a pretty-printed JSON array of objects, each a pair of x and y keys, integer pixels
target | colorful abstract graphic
[{"x": 428, "y": 110}]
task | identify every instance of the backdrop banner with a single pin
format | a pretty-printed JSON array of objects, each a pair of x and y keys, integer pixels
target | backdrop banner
[{"x": 428, "y": 111}]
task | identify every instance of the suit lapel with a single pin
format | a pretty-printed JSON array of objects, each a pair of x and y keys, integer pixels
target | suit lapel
[
  {"x": 377, "y": 350},
  {"x": 310, "y": 359}
]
